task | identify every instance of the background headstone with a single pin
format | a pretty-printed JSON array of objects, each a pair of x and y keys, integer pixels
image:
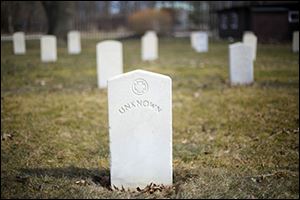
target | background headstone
[
  {"x": 251, "y": 40},
  {"x": 74, "y": 44},
  {"x": 149, "y": 46},
  {"x": 241, "y": 63},
  {"x": 199, "y": 41},
  {"x": 19, "y": 43},
  {"x": 109, "y": 61},
  {"x": 48, "y": 48},
  {"x": 193, "y": 39},
  {"x": 140, "y": 129},
  {"x": 296, "y": 41}
]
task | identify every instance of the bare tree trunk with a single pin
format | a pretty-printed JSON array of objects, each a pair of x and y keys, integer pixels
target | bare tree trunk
[{"x": 59, "y": 15}]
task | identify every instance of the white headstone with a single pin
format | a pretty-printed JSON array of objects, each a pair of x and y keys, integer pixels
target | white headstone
[
  {"x": 74, "y": 44},
  {"x": 48, "y": 48},
  {"x": 140, "y": 129},
  {"x": 109, "y": 61},
  {"x": 251, "y": 40},
  {"x": 199, "y": 41},
  {"x": 296, "y": 41},
  {"x": 241, "y": 63},
  {"x": 149, "y": 46},
  {"x": 19, "y": 43}
]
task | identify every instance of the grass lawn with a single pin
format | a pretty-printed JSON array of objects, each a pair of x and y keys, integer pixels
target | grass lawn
[{"x": 228, "y": 142}]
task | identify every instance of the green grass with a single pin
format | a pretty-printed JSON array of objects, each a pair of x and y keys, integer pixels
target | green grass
[{"x": 228, "y": 142}]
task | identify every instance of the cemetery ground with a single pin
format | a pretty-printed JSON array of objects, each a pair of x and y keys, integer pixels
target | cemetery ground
[{"x": 228, "y": 142}]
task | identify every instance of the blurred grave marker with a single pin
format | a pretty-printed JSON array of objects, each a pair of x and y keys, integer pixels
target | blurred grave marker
[
  {"x": 74, "y": 44},
  {"x": 296, "y": 41},
  {"x": 48, "y": 48},
  {"x": 241, "y": 63},
  {"x": 251, "y": 40},
  {"x": 109, "y": 61},
  {"x": 199, "y": 41},
  {"x": 149, "y": 46},
  {"x": 140, "y": 129},
  {"x": 19, "y": 43}
]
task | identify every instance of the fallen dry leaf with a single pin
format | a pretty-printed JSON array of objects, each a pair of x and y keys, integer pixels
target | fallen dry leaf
[{"x": 81, "y": 182}]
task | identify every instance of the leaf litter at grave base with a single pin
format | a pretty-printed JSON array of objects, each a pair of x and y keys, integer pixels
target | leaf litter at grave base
[
  {"x": 228, "y": 142},
  {"x": 150, "y": 189}
]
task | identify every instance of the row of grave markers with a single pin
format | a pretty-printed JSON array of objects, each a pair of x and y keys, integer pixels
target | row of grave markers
[
  {"x": 140, "y": 110},
  {"x": 48, "y": 45},
  {"x": 199, "y": 42},
  {"x": 110, "y": 53}
]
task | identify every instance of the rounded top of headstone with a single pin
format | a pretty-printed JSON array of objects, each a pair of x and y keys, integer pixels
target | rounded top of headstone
[
  {"x": 140, "y": 73},
  {"x": 150, "y": 33},
  {"x": 73, "y": 32},
  {"x": 19, "y": 33},
  {"x": 109, "y": 43},
  {"x": 249, "y": 34}
]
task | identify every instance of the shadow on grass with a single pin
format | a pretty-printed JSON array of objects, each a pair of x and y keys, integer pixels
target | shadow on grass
[{"x": 98, "y": 176}]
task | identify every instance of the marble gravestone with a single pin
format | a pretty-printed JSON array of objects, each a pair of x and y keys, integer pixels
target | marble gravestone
[
  {"x": 109, "y": 61},
  {"x": 296, "y": 41},
  {"x": 240, "y": 63},
  {"x": 19, "y": 46},
  {"x": 251, "y": 40},
  {"x": 199, "y": 41},
  {"x": 48, "y": 48},
  {"x": 140, "y": 129},
  {"x": 74, "y": 44},
  {"x": 149, "y": 46}
]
